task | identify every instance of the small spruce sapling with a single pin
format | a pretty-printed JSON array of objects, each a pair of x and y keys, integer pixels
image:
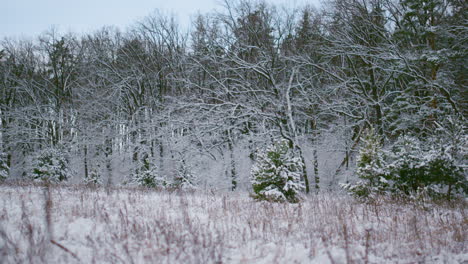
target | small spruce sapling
[
  {"x": 4, "y": 169},
  {"x": 371, "y": 168},
  {"x": 147, "y": 176},
  {"x": 407, "y": 166},
  {"x": 184, "y": 179},
  {"x": 442, "y": 171},
  {"x": 276, "y": 175},
  {"x": 50, "y": 165},
  {"x": 94, "y": 177}
]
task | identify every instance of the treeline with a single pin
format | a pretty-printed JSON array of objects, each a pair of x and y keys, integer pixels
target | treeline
[{"x": 154, "y": 97}]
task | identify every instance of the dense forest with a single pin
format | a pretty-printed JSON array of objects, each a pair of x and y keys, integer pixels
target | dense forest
[{"x": 196, "y": 105}]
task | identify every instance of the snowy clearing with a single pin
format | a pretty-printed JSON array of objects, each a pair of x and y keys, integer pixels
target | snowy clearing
[{"x": 88, "y": 225}]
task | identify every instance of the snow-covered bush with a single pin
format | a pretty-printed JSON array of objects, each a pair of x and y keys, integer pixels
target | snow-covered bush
[
  {"x": 276, "y": 175},
  {"x": 408, "y": 168},
  {"x": 4, "y": 169},
  {"x": 414, "y": 168},
  {"x": 444, "y": 172},
  {"x": 50, "y": 165},
  {"x": 406, "y": 165},
  {"x": 184, "y": 179}
]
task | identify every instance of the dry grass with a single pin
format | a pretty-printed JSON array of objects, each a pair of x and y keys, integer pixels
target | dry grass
[{"x": 76, "y": 224}]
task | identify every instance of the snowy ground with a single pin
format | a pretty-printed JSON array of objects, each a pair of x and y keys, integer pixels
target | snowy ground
[{"x": 85, "y": 225}]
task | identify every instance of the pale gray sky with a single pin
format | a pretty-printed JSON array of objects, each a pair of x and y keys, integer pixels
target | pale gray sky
[{"x": 28, "y": 18}]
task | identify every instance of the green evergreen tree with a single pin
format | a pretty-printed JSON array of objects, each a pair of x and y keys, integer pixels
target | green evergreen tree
[
  {"x": 184, "y": 178},
  {"x": 430, "y": 169},
  {"x": 371, "y": 168},
  {"x": 50, "y": 165},
  {"x": 408, "y": 169},
  {"x": 4, "y": 169},
  {"x": 276, "y": 176},
  {"x": 147, "y": 176},
  {"x": 94, "y": 177}
]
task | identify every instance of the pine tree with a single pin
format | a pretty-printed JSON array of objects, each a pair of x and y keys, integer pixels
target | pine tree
[
  {"x": 94, "y": 177},
  {"x": 371, "y": 168},
  {"x": 431, "y": 169},
  {"x": 370, "y": 162},
  {"x": 428, "y": 34},
  {"x": 276, "y": 175},
  {"x": 410, "y": 168},
  {"x": 4, "y": 169},
  {"x": 309, "y": 36},
  {"x": 147, "y": 176},
  {"x": 254, "y": 34},
  {"x": 406, "y": 167},
  {"x": 50, "y": 165},
  {"x": 443, "y": 174},
  {"x": 304, "y": 31},
  {"x": 184, "y": 179}
]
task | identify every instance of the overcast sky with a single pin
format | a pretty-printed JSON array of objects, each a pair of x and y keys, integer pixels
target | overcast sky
[{"x": 28, "y": 18}]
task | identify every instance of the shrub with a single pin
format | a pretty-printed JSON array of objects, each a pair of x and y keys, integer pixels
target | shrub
[
  {"x": 276, "y": 175},
  {"x": 407, "y": 169},
  {"x": 433, "y": 169}
]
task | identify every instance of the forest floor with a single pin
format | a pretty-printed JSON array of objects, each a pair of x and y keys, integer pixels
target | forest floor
[{"x": 77, "y": 224}]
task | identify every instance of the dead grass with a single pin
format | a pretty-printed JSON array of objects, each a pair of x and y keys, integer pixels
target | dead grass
[{"x": 77, "y": 224}]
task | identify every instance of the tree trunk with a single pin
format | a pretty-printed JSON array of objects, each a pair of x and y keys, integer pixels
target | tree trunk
[
  {"x": 232, "y": 163},
  {"x": 85, "y": 158},
  {"x": 316, "y": 174},
  {"x": 304, "y": 171},
  {"x": 315, "y": 156},
  {"x": 108, "y": 154}
]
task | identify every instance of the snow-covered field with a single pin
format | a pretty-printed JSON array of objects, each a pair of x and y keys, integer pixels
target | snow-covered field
[{"x": 86, "y": 225}]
